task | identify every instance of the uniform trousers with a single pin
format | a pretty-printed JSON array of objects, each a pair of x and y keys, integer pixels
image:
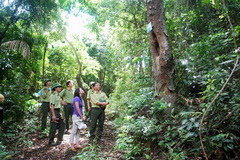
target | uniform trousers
[
  {"x": 54, "y": 125},
  {"x": 97, "y": 119},
  {"x": 68, "y": 111},
  {"x": 45, "y": 108}
]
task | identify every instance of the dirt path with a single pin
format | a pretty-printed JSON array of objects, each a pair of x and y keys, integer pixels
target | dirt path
[{"x": 41, "y": 151}]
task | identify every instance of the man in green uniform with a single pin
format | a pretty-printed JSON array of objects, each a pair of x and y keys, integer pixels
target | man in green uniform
[
  {"x": 97, "y": 112},
  {"x": 44, "y": 98},
  {"x": 67, "y": 99},
  {"x": 90, "y": 91},
  {"x": 56, "y": 116}
]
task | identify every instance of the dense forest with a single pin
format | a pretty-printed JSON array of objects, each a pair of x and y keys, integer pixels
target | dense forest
[{"x": 169, "y": 67}]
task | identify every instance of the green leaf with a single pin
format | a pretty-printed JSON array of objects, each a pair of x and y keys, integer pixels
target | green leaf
[
  {"x": 196, "y": 124},
  {"x": 136, "y": 59},
  {"x": 204, "y": 2},
  {"x": 184, "y": 121},
  {"x": 190, "y": 134},
  {"x": 192, "y": 119},
  {"x": 228, "y": 61}
]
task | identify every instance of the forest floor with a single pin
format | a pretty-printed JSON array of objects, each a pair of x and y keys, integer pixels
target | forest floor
[{"x": 41, "y": 151}]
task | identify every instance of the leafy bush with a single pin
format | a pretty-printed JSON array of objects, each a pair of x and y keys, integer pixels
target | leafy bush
[
  {"x": 18, "y": 132},
  {"x": 3, "y": 153}
]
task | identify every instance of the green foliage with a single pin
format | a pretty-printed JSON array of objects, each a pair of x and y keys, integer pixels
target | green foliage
[
  {"x": 3, "y": 153},
  {"x": 223, "y": 122},
  {"x": 124, "y": 40},
  {"x": 99, "y": 51},
  {"x": 133, "y": 127},
  {"x": 17, "y": 131},
  {"x": 89, "y": 153},
  {"x": 144, "y": 125},
  {"x": 119, "y": 58},
  {"x": 203, "y": 49},
  {"x": 205, "y": 66}
]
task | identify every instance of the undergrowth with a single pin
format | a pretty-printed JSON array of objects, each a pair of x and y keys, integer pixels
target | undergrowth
[
  {"x": 151, "y": 129},
  {"x": 14, "y": 133}
]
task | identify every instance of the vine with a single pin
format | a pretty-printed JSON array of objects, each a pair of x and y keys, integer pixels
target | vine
[{"x": 234, "y": 68}]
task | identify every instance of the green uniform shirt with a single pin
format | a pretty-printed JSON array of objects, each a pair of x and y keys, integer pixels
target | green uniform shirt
[
  {"x": 67, "y": 95},
  {"x": 55, "y": 100},
  {"x": 90, "y": 91},
  {"x": 45, "y": 96},
  {"x": 96, "y": 97}
]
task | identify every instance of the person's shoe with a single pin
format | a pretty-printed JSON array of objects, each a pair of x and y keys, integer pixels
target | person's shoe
[
  {"x": 78, "y": 147},
  {"x": 67, "y": 132}
]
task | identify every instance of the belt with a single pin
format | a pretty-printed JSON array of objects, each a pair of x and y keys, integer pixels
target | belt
[
  {"x": 99, "y": 108},
  {"x": 57, "y": 109},
  {"x": 69, "y": 103}
]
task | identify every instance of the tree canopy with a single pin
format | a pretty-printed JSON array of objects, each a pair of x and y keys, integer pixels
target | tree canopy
[{"x": 203, "y": 46}]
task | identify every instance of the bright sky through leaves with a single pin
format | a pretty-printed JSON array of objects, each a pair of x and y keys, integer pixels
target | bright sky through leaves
[{"x": 76, "y": 24}]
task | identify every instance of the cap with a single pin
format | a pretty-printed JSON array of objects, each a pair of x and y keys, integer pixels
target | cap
[
  {"x": 46, "y": 80},
  {"x": 56, "y": 85}
]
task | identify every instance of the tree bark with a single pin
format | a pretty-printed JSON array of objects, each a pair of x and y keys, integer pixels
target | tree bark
[
  {"x": 43, "y": 64},
  {"x": 161, "y": 52}
]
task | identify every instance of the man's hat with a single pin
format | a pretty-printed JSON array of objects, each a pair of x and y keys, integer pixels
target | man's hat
[
  {"x": 46, "y": 80},
  {"x": 56, "y": 85}
]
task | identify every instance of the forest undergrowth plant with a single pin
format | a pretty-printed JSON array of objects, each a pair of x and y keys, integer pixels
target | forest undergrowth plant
[
  {"x": 139, "y": 127},
  {"x": 143, "y": 129},
  {"x": 180, "y": 135},
  {"x": 216, "y": 47},
  {"x": 90, "y": 153},
  {"x": 4, "y": 154},
  {"x": 18, "y": 132},
  {"x": 221, "y": 131},
  {"x": 176, "y": 134}
]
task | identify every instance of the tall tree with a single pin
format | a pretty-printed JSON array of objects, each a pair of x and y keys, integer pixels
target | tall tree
[
  {"x": 79, "y": 74},
  {"x": 161, "y": 52}
]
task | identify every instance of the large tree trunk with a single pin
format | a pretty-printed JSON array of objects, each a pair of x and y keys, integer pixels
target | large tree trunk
[{"x": 161, "y": 53}]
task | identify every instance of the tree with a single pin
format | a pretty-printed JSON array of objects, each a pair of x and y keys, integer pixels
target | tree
[
  {"x": 161, "y": 52},
  {"x": 79, "y": 74},
  {"x": 25, "y": 13}
]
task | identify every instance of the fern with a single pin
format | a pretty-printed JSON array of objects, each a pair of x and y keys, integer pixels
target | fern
[{"x": 19, "y": 46}]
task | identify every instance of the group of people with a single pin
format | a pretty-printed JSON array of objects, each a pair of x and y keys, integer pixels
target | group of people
[{"x": 69, "y": 103}]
